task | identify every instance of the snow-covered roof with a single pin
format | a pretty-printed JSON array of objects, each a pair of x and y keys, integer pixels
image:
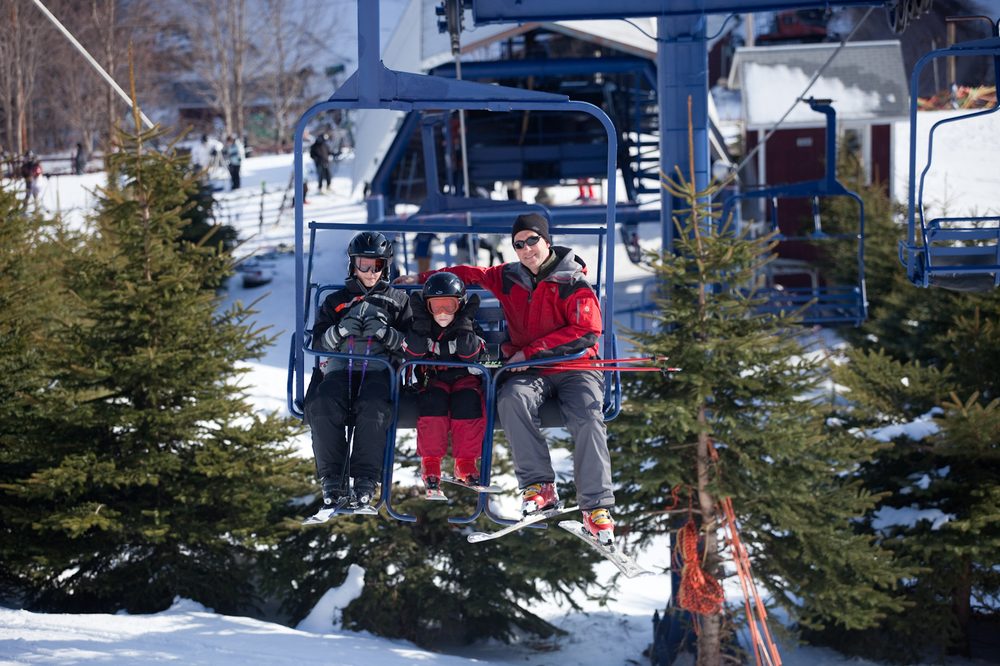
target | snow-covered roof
[
  {"x": 617, "y": 34},
  {"x": 865, "y": 80}
]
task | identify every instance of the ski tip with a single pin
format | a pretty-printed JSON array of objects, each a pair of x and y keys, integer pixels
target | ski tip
[
  {"x": 436, "y": 497},
  {"x": 476, "y": 537},
  {"x": 319, "y": 518}
]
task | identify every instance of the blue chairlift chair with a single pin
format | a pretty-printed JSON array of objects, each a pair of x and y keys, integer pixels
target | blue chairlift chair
[
  {"x": 374, "y": 86},
  {"x": 490, "y": 318},
  {"x": 957, "y": 253},
  {"x": 817, "y": 304}
]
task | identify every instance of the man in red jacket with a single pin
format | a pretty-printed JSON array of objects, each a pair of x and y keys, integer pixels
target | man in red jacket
[{"x": 551, "y": 310}]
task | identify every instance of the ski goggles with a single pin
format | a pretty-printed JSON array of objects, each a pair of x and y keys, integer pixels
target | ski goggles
[
  {"x": 368, "y": 265},
  {"x": 442, "y": 305},
  {"x": 529, "y": 242}
]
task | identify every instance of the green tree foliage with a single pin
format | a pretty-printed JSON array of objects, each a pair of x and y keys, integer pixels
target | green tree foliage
[
  {"x": 156, "y": 478},
  {"x": 749, "y": 387},
  {"x": 424, "y": 582},
  {"x": 32, "y": 307},
  {"x": 930, "y": 355}
]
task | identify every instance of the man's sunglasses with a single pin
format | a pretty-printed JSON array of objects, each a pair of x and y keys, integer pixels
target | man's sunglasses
[
  {"x": 375, "y": 267},
  {"x": 530, "y": 242},
  {"x": 442, "y": 305}
]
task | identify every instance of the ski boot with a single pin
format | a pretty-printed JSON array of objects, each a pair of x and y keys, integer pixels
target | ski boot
[
  {"x": 599, "y": 525},
  {"x": 364, "y": 491},
  {"x": 430, "y": 472},
  {"x": 466, "y": 471},
  {"x": 432, "y": 486},
  {"x": 335, "y": 495},
  {"x": 538, "y": 497}
]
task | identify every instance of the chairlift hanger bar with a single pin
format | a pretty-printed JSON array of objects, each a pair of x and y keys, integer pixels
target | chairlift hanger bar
[{"x": 506, "y": 11}]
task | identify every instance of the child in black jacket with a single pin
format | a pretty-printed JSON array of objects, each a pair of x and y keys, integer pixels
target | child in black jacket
[
  {"x": 366, "y": 317},
  {"x": 451, "y": 400}
]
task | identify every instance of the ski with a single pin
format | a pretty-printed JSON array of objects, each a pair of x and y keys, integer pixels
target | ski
[
  {"x": 435, "y": 495},
  {"x": 343, "y": 508},
  {"x": 476, "y": 537},
  {"x": 628, "y": 566},
  {"x": 478, "y": 488}
]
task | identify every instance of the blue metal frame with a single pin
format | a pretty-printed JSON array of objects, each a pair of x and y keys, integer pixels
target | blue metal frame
[
  {"x": 374, "y": 86},
  {"x": 823, "y": 305},
  {"x": 507, "y": 11},
  {"x": 941, "y": 257}
]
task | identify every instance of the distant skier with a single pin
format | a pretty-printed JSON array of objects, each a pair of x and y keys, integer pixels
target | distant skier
[
  {"x": 234, "y": 159},
  {"x": 31, "y": 172},
  {"x": 320, "y": 154}
]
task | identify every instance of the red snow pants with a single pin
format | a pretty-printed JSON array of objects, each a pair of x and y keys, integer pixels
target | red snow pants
[{"x": 455, "y": 407}]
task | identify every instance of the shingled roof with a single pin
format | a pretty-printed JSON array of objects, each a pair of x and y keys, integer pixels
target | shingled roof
[{"x": 866, "y": 81}]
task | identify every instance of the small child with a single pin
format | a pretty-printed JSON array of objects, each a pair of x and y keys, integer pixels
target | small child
[
  {"x": 365, "y": 318},
  {"x": 451, "y": 400}
]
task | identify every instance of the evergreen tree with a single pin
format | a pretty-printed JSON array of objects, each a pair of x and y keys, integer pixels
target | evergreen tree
[
  {"x": 749, "y": 390},
  {"x": 32, "y": 305},
  {"x": 932, "y": 355},
  {"x": 424, "y": 582},
  {"x": 156, "y": 479}
]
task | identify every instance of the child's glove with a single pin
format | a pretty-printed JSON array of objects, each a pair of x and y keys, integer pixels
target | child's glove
[
  {"x": 387, "y": 335},
  {"x": 422, "y": 321},
  {"x": 345, "y": 328},
  {"x": 366, "y": 311}
]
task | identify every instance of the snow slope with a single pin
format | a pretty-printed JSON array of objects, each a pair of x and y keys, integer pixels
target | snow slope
[{"x": 187, "y": 633}]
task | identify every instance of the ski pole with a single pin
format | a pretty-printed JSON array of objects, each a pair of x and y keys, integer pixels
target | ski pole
[
  {"x": 633, "y": 359},
  {"x": 607, "y": 368},
  {"x": 350, "y": 406}
]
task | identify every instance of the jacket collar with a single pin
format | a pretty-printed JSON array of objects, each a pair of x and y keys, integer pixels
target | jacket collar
[{"x": 568, "y": 267}]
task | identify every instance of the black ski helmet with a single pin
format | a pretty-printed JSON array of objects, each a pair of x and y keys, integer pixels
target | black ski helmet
[
  {"x": 444, "y": 284},
  {"x": 373, "y": 245}
]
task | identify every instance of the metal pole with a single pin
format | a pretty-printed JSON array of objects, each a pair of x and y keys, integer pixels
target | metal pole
[
  {"x": 96, "y": 65},
  {"x": 461, "y": 121}
]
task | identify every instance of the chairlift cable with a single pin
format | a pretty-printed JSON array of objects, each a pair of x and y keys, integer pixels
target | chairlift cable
[
  {"x": 93, "y": 63},
  {"x": 774, "y": 128}
]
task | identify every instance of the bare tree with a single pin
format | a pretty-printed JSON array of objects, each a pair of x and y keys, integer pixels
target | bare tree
[
  {"x": 291, "y": 38},
  {"x": 219, "y": 46},
  {"x": 20, "y": 55}
]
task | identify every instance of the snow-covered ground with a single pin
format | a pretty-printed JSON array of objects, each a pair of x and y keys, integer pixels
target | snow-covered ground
[{"x": 611, "y": 635}]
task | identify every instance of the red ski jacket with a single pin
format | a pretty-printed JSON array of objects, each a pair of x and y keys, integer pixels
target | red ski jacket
[{"x": 559, "y": 315}]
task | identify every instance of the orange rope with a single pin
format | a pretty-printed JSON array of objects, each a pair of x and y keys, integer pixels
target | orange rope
[
  {"x": 698, "y": 593},
  {"x": 763, "y": 645}
]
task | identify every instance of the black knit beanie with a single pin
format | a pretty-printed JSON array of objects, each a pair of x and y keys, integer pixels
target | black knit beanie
[{"x": 532, "y": 222}]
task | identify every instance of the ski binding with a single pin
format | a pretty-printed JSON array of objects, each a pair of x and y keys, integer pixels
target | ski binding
[
  {"x": 628, "y": 566},
  {"x": 478, "y": 488}
]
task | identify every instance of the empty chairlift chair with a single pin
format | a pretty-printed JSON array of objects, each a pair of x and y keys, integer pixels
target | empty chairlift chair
[
  {"x": 957, "y": 253},
  {"x": 816, "y": 303}
]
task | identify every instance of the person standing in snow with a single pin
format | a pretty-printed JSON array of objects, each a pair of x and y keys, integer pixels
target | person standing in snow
[
  {"x": 234, "y": 158},
  {"x": 31, "y": 172},
  {"x": 79, "y": 160},
  {"x": 320, "y": 154},
  {"x": 551, "y": 310},
  {"x": 365, "y": 317}
]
